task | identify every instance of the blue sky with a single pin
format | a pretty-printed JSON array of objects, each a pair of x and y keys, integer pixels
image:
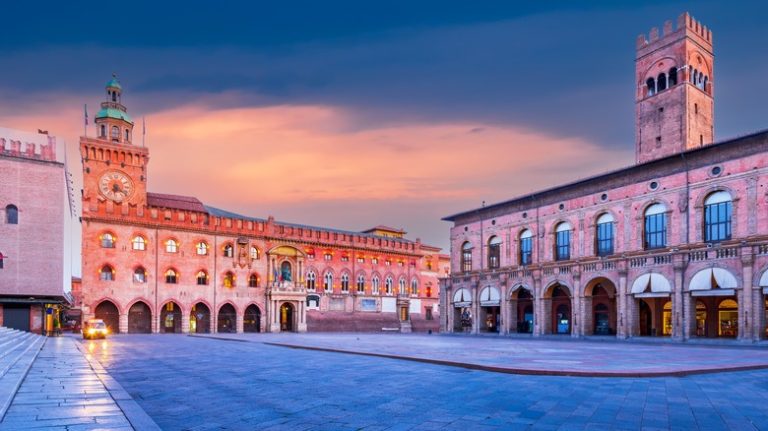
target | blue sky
[{"x": 387, "y": 73}]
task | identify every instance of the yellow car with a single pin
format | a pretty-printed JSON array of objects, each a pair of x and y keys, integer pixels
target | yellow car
[{"x": 95, "y": 328}]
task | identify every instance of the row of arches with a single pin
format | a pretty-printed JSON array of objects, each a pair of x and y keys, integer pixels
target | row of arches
[
  {"x": 171, "y": 275},
  {"x": 115, "y": 156},
  {"x": 716, "y": 226},
  {"x": 669, "y": 79},
  {"x": 139, "y": 318}
]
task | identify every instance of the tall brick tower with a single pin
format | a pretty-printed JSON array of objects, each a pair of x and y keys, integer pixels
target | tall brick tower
[
  {"x": 114, "y": 169},
  {"x": 674, "y": 75}
]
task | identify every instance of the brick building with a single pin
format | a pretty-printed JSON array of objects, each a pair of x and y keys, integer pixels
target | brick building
[
  {"x": 167, "y": 263},
  {"x": 676, "y": 245},
  {"x": 36, "y": 225}
]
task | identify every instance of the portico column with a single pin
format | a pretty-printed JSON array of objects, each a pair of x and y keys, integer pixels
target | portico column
[
  {"x": 504, "y": 305},
  {"x": 475, "y": 308},
  {"x": 680, "y": 306},
  {"x": 122, "y": 323},
  {"x": 538, "y": 305},
  {"x": 185, "y": 323},
  {"x": 622, "y": 330},
  {"x": 688, "y": 319},
  {"x": 747, "y": 319},
  {"x": 578, "y": 307},
  {"x": 758, "y": 313}
]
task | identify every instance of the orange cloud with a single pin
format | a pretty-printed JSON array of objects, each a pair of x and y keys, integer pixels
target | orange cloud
[{"x": 291, "y": 161}]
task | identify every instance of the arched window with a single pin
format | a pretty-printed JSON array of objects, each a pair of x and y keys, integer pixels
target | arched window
[
  {"x": 253, "y": 280},
  {"x": 311, "y": 281},
  {"x": 228, "y": 250},
  {"x": 107, "y": 240},
  {"x": 115, "y": 133},
  {"x": 388, "y": 285},
  {"x": 466, "y": 257},
  {"x": 526, "y": 247},
  {"x": 651, "y": 84},
  {"x": 127, "y": 135},
  {"x": 327, "y": 256},
  {"x": 494, "y": 252},
  {"x": 202, "y": 278},
  {"x": 563, "y": 241},
  {"x": 171, "y": 276},
  {"x": 672, "y": 78},
  {"x": 661, "y": 82},
  {"x": 254, "y": 253},
  {"x": 375, "y": 285},
  {"x": 171, "y": 246},
  {"x": 704, "y": 83},
  {"x": 11, "y": 214},
  {"x": 107, "y": 273},
  {"x": 139, "y": 243},
  {"x": 604, "y": 235},
  {"x": 361, "y": 283},
  {"x": 718, "y": 209},
  {"x": 693, "y": 76},
  {"x": 114, "y": 95},
  {"x": 201, "y": 248},
  {"x": 401, "y": 286},
  {"x": 103, "y": 131},
  {"x": 655, "y": 227},
  {"x": 229, "y": 279},
  {"x": 345, "y": 282},
  {"x": 415, "y": 287},
  {"x": 328, "y": 282},
  {"x": 139, "y": 275}
]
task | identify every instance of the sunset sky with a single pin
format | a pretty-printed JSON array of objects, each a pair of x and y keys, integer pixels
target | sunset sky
[{"x": 354, "y": 114}]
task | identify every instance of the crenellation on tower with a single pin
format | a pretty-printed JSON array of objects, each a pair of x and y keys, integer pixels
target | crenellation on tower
[{"x": 674, "y": 93}]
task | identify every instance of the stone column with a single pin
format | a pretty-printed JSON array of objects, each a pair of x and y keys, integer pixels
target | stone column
[
  {"x": 679, "y": 310},
  {"x": 758, "y": 313},
  {"x": 538, "y": 304},
  {"x": 512, "y": 320},
  {"x": 239, "y": 323},
  {"x": 475, "y": 307},
  {"x": 747, "y": 318},
  {"x": 622, "y": 308},
  {"x": 185, "y": 323},
  {"x": 688, "y": 319},
  {"x": 123, "y": 323},
  {"x": 577, "y": 307}
]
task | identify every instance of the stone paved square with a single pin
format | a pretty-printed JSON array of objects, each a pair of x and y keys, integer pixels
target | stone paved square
[{"x": 193, "y": 383}]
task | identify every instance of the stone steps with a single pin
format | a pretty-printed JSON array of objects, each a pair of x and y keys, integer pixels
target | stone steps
[{"x": 18, "y": 350}]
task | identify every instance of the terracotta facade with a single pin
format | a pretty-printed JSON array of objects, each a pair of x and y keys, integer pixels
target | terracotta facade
[
  {"x": 167, "y": 263},
  {"x": 676, "y": 245}
]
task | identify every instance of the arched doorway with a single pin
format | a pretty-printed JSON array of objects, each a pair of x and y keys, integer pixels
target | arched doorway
[
  {"x": 601, "y": 293},
  {"x": 522, "y": 310},
  {"x": 490, "y": 309},
  {"x": 107, "y": 311},
  {"x": 714, "y": 290},
  {"x": 286, "y": 317},
  {"x": 560, "y": 309},
  {"x": 170, "y": 318},
  {"x": 227, "y": 319},
  {"x": 462, "y": 314},
  {"x": 646, "y": 318},
  {"x": 139, "y": 319},
  {"x": 200, "y": 319},
  {"x": 252, "y": 319}
]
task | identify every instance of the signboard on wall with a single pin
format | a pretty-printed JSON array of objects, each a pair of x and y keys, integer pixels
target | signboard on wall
[
  {"x": 388, "y": 305},
  {"x": 415, "y": 306},
  {"x": 337, "y": 304},
  {"x": 367, "y": 305}
]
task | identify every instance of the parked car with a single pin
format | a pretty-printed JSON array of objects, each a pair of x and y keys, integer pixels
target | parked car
[{"x": 95, "y": 328}]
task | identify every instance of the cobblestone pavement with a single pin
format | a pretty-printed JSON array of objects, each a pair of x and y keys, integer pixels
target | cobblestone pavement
[
  {"x": 559, "y": 355},
  {"x": 62, "y": 392},
  {"x": 204, "y": 384}
]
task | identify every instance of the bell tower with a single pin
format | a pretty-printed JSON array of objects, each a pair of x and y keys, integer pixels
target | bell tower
[
  {"x": 674, "y": 77},
  {"x": 114, "y": 169}
]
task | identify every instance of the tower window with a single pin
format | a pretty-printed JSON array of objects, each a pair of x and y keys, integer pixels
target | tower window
[
  {"x": 11, "y": 214},
  {"x": 114, "y": 96},
  {"x": 103, "y": 133},
  {"x": 701, "y": 139},
  {"x": 658, "y": 141},
  {"x": 127, "y": 135},
  {"x": 695, "y": 108},
  {"x": 672, "y": 80},
  {"x": 661, "y": 83},
  {"x": 115, "y": 133},
  {"x": 651, "y": 84}
]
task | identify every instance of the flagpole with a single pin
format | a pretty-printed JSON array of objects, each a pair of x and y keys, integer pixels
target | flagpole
[{"x": 85, "y": 124}]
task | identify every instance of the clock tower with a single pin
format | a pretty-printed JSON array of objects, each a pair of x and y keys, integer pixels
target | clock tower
[{"x": 114, "y": 169}]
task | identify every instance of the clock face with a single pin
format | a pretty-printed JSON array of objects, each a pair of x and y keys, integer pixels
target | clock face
[{"x": 116, "y": 186}]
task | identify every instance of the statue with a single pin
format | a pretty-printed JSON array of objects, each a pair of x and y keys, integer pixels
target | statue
[{"x": 285, "y": 271}]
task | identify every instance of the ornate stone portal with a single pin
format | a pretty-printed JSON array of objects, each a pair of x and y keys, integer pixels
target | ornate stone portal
[{"x": 286, "y": 290}]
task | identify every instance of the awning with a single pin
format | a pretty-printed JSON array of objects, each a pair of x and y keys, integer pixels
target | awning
[
  {"x": 712, "y": 278},
  {"x": 462, "y": 298},
  {"x": 764, "y": 280},
  {"x": 490, "y": 297},
  {"x": 651, "y": 283}
]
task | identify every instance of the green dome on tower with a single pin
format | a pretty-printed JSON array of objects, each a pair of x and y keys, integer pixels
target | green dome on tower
[{"x": 114, "y": 83}]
